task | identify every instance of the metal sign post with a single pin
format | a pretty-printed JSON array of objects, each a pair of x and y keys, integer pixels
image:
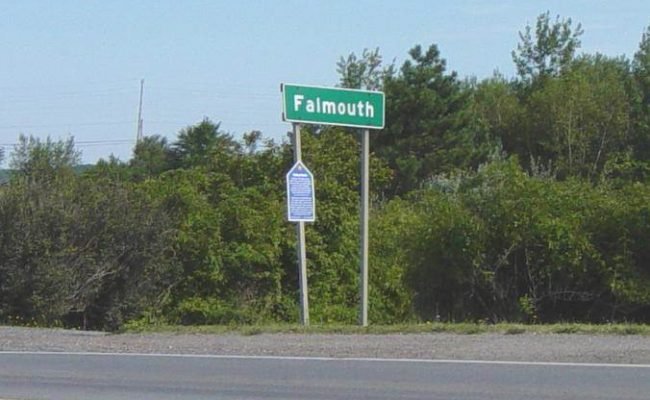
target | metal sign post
[
  {"x": 365, "y": 206},
  {"x": 300, "y": 232}
]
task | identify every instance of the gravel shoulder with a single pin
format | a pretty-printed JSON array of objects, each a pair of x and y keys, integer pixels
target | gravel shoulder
[{"x": 628, "y": 349}]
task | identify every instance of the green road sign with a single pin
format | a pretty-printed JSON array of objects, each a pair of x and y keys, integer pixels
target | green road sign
[{"x": 333, "y": 106}]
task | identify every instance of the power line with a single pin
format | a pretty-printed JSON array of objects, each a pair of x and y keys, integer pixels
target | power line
[
  {"x": 100, "y": 123},
  {"x": 85, "y": 142},
  {"x": 65, "y": 86}
]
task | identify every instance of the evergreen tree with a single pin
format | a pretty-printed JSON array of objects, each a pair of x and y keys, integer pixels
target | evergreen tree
[{"x": 427, "y": 122}]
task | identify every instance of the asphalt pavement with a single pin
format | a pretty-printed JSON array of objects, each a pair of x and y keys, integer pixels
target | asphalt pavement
[{"x": 65, "y": 376}]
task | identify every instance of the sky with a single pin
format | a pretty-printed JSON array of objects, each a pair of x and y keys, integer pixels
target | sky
[{"x": 73, "y": 68}]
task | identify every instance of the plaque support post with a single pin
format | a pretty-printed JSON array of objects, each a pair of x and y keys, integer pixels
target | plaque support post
[{"x": 301, "y": 245}]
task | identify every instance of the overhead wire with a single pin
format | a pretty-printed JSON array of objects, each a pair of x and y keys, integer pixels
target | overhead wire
[
  {"x": 85, "y": 142},
  {"x": 109, "y": 92}
]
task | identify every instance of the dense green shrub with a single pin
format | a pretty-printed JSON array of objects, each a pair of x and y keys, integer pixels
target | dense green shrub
[{"x": 503, "y": 245}]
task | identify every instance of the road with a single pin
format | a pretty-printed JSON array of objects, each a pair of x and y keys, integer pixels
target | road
[{"x": 65, "y": 376}]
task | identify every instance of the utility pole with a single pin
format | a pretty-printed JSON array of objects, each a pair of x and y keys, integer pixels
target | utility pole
[{"x": 139, "y": 134}]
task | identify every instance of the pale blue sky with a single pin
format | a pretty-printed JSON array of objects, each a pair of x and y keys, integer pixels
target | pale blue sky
[{"x": 73, "y": 67}]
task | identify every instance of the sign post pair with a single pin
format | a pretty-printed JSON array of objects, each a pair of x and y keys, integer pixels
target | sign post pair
[{"x": 329, "y": 106}]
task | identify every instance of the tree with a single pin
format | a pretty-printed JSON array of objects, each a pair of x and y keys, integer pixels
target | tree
[
  {"x": 42, "y": 161},
  {"x": 582, "y": 118},
  {"x": 197, "y": 144},
  {"x": 251, "y": 141},
  {"x": 365, "y": 72},
  {"x": 112, "y": 169},
  {"x": 497, "y": 113},
  {"x": 549, "y": 51},
  {"x": 641, "y": 67},
  {"x": 427, "y": 123},
  {"x": 391, "y": 298},
  {"x": 151, "y": 156},
  {"x": 641, "y": 72},
  {"x": 85, "y": 252},
  {"x": 119, "y": 252}
]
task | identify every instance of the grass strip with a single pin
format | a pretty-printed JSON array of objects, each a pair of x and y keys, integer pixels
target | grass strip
[{"x": 419, "y": 328}]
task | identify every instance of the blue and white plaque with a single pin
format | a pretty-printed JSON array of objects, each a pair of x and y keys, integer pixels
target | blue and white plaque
[{"x": 300, "y": 194}]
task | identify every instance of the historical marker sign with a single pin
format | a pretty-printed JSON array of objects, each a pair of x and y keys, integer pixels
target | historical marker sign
[
  {"x": 300, "y": 194},
  {"x": 333, "y": 106}
]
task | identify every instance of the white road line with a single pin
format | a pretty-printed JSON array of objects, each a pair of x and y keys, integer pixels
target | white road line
[{"x": 330, "y": 359}]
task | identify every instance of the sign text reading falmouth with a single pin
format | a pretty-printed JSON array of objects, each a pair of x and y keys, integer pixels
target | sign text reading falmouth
[{"x": 333, "y": 106}]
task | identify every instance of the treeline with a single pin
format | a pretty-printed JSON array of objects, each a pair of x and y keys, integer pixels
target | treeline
[{"x": 522, "y": 199}]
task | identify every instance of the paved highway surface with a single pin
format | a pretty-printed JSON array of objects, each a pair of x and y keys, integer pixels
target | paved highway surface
[{"x": 65, "y": 376}]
